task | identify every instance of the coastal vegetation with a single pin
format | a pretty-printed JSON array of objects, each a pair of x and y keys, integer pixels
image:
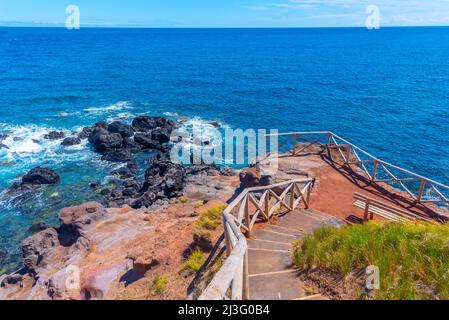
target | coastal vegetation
[
  {"x": 160, "y": 283},
  {"x": 413, "y": 259},
  {"x": 195, "y": 261},
  {"x": 209, "y": 220}
]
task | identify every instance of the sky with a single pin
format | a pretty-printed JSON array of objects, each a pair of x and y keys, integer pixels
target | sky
[{"x": 224, "y": 13}]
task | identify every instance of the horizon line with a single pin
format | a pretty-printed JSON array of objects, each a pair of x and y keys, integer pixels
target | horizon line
[{"x": 167, "y": 27}]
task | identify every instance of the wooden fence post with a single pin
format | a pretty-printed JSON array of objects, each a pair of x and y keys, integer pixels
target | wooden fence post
[
  {"x": 309, "y": 190},
  {"x": 366, "y": 214},
  {"x": 421, "y": 190},
  {"x": 267, "y": 205},
  {"x": 292, "y": 195},
  {"x": 247, "y": 216},
  {"x": 373, "y": 175},
  {"x": 245, "y": 293},
  {"x": 227, "y": 238}
]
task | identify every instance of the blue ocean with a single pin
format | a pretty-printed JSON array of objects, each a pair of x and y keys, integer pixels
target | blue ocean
[{"x": 385, "y": 90}]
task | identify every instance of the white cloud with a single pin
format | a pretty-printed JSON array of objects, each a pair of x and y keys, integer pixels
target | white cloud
[{"x": 392, "y": 11}]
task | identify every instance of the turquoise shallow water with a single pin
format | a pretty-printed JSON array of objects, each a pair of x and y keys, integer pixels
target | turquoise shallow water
[{"x": 387, "y": 91}]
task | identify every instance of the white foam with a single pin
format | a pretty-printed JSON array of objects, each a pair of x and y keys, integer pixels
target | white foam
[
  {"x": 123, "y": 116},
  {"x": 204, "y": 131},
  {"x": 31, "y": 149},
  {"x": 113, "y": 107},
  {"x": 171, "y": 114}
]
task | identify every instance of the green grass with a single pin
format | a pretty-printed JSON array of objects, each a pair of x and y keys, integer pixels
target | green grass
[
  {"x": 160, "y": 283},
  {"x": 208, "y": 221},
  {"x": 195, "y": 261},
  {"x": 184, "y": 200},
  {"x": 413, "y": 259}
]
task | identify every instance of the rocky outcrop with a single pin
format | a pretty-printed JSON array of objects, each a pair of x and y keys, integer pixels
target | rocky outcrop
[
  {"x": 35, "y": 249},
  {"x": 104, "y": 141},
  {"x": 38, "y": 250},
  {"x": 146, "y": 141},
  {"x": 147, "y": 124},
  {"x": 79, "y": 216},
  {"x": 124, "y": 130},
  {"x": 117, "y": 155},
  {"x": 71, "y": 141},
  {"x": 85, "y": 133},
  {"x": 38, "y": 227},
  {"x": 54, "y": 135},
  {"x": 249, "y": 177},
  {"x": 76, "y": 220},
  {"x": 11, "y": 280},
  {"x": 163, "y": 180},
  {"x": 41, "y": 176},
  {"x": 34, "y": 178},
  {"x": 252, "y": 177}
]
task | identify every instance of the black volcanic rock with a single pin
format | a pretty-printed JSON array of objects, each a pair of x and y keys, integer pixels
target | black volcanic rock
[
  {"x": 124, "y": 130},
  {"x": 124, "y": 173},
  {"x": 161, "y": 134},
  {"x": 32, "y": 180},
  {"x": 38, "y": 227},
  {"x": 146, "y": 140},
  {"x": 41, "y": 176},
  {"x": 117, "y": 155},
  {"x": 101, "y": 124},
  {"x": 165, "y": 176},
  {"x": 71, "y": 141},
  {"x": 146, "y": 123},
  {"x": 54, "y": 135},
  {"x": 85, "y": 133},
  {"x": 103, "y": 140}
]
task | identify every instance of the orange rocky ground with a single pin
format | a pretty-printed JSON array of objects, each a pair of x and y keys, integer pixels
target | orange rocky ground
[{"x": 126, "y": 249}]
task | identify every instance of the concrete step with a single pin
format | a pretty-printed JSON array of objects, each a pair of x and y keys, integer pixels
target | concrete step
[
  {"x": 265, "y": 234},
  {"x": 279, "y": 286},
  {"x": 300, "y": 221},
  {"x": 285, "y": 230},
  {"x": 270, "y": 245},
  {"x": 316, "y": 214},
  {"x": 261, "y": 261}
]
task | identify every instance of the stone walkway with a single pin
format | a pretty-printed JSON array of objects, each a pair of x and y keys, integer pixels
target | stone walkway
[{"x": 271, "y": 272}]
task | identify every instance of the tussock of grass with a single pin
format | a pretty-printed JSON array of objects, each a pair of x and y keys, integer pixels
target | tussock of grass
[
  {"x": 160, "y": 283},
  {"x": 199, "y": 204},
  {"x": 413, "y": 259},
  {"x": 184, "y": 199},
  {"x": 208, "y": 221},
  {"x": 195, "y": 261}
]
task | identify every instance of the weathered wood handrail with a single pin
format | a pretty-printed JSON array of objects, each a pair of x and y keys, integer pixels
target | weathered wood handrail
[
  {"x": 231, "y": 281},
  {"x": 373, "y": 207},
  {"x": 421, "y": 187}
]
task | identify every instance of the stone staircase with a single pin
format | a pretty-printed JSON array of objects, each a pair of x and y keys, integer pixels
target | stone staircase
[{"x": 271, "y": 272}]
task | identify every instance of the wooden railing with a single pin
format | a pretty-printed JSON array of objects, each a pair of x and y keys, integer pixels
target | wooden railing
[
  {"x": 373, "y": 207},
  {"x": 239, "y": 218},
  {"x": 418, "y": 188}
]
